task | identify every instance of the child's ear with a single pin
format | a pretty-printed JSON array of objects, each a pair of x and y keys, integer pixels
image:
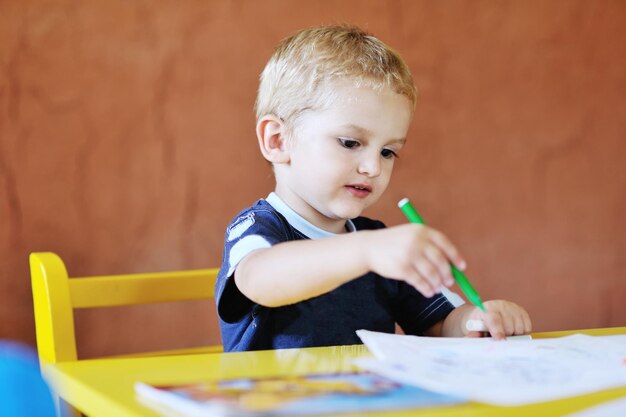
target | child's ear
[{"x": 270, "y": 131}]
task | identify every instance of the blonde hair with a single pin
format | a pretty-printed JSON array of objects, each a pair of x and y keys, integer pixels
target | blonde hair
[{"x": 296, "y": 75}]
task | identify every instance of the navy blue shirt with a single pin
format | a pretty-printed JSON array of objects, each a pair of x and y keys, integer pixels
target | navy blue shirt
[{"x": 369, "y": 302}]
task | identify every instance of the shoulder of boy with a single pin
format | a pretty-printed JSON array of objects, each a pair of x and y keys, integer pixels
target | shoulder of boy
[{"x": 239, "y": 226}]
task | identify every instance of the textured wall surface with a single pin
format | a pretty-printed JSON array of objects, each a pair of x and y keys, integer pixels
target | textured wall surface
[{"x": 127, "y": 144}]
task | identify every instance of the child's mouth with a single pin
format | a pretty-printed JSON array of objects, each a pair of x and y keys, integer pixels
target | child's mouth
[{"x": 359, "y": 190}]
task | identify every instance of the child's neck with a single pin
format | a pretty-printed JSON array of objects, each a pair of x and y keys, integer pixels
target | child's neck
[{"x": 311, "y": 215}]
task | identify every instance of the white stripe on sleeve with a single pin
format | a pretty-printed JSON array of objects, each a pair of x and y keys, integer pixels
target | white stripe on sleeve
[
  {"x": 243, "y": 248},
  {"x": 454, "y": 298}
]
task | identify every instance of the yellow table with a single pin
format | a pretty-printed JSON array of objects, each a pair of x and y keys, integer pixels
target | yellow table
[{"x": 104, "y": 387}]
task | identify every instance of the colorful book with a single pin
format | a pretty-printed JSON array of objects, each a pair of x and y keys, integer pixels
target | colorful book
[{"x": 289, "y": 396}]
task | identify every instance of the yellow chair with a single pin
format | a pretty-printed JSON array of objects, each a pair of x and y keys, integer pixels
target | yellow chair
[{"x": 56, "y": 296}]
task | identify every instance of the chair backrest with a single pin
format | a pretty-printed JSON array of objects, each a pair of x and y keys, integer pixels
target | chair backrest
[{"x": 55, "y": 297}]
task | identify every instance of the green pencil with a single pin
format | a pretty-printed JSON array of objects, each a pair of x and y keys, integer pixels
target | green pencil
[{"x": 460, "y": 278}]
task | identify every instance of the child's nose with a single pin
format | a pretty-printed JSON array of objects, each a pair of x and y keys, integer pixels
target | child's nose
[{"x": 370, "y": 166}]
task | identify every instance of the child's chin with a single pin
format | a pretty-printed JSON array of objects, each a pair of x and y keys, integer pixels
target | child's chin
[{"x": 351, "y": 212}]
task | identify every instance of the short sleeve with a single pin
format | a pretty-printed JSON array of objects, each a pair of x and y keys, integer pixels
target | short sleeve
[
  {"x": 415, "y": 313},
  {"x": 253, "y": 229}
]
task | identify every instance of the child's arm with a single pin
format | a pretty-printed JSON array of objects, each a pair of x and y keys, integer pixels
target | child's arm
[
  {"x": 502, "y": 318},
  {"x": 294, "y": 271}
]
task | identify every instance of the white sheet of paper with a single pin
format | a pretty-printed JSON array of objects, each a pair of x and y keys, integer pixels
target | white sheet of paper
[{"x": 499, "y": 372}]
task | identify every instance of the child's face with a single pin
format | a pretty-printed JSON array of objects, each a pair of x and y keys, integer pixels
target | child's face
[{"x": 341, "y": 157}]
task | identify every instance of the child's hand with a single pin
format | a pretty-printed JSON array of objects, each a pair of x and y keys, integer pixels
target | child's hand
[
  {"x": 415, "y": 254},
  {"x": 502, "y": 318}
]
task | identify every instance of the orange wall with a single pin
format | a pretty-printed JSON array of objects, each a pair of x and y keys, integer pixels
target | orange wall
[{"x": 127, "y": 144}]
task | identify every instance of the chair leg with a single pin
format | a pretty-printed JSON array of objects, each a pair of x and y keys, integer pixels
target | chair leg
[{"x": 64, "y": 409}]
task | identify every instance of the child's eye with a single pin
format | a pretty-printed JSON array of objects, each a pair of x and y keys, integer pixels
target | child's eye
[
  {"x": 349, "y": 143},
  {"x": 388, "y": 154}
]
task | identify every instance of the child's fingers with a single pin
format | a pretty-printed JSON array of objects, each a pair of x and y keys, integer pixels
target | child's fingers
[
  {"x": 429, "y": 273},
  {"x": 522, "y": 322},
  {"x": 508, "y": 322},
  {"x": 527, "y": 323},
  {"x": 474, "y": 334},
  {"x": 435, "y": 256},
  {"x": 493, "y": 321},
  {"x": 520, "y": 319},
  {"x": 417, "y": 281},
  {"x": 424, "y": 287},
  {"x": 448, "y": 248},
  {"x": 518, "y": 324}
]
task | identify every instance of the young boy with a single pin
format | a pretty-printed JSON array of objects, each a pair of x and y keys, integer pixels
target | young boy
[{"x": 301, "y": 268}]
